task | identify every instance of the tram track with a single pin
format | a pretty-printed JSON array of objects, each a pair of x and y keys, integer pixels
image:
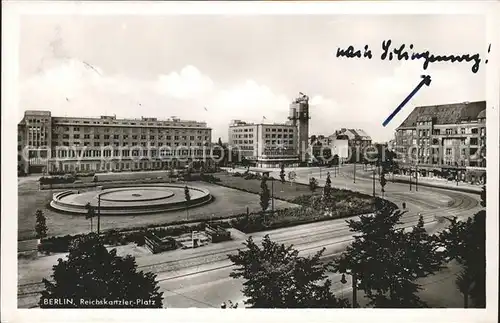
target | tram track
[{"x": 301, "y": 235}]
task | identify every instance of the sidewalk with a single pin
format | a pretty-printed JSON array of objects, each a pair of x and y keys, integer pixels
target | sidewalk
[{"x": 439, "y": 183}]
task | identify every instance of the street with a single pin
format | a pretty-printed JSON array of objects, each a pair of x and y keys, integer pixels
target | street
[{"x": 200, "y": 277}]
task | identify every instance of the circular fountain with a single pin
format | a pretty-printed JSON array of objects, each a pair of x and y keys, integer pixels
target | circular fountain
[{"x": 131, "y": 200}]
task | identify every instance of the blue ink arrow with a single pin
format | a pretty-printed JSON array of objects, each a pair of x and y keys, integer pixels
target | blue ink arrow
[{"x": 426, "y": 80}]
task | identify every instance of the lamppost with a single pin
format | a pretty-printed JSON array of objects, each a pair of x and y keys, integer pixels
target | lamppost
[
  {"x": 99, "y": 213},
  {"x": 410, "y": 176},
  {"x": 272, "y": 195},
  {"x": 99, "y": 210},
  {"x": 354, "y": 172},
  {"x": 354, "y": 290},
  {"x": 373, "y": 182},
  {"x": 343, "y": 281}
]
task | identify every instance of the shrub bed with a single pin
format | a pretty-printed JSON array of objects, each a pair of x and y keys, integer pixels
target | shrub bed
[
  {"x": 209, "y": 178},
  {"x": 294, "y": 216},
  {"x": 116, "y": 238},
  {"x": 67, "y": 179}
]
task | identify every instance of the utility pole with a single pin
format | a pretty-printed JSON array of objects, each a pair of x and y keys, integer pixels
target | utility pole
[
  {"x": 373, "y": 182},
  {"x": 98, "y": 214},
  {"x": 416, "y": 177},
  {"x": 354, "y": 172},
  {"x": 410, "y": 178},
  {"x": 272, "y": 195},
  {"x": 354, "y": 290}
]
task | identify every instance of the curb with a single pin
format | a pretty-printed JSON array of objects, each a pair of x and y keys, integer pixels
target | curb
[{"x": 450, "y": 188}]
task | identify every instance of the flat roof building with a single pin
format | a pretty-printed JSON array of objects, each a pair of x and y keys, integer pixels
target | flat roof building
[
  {"x": 273, "y": 144},
  {"x": 72, "y": 144},
  {"x": 264, "y": 144}
]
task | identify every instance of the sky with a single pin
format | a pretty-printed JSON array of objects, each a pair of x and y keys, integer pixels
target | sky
[{"x": 245, "y": 67}]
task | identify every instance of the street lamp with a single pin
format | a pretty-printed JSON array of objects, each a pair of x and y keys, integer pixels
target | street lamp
[
  {"x": 354, "y": 289},
  {"x": 410, "y": 176},
  {"x": 373, "y": 182},
  {"x": 354, "y": 172},
  {"x": 99, "y": 213},
  {"x": 343, "y": 281},
  {"x": 272, "y": 195}
]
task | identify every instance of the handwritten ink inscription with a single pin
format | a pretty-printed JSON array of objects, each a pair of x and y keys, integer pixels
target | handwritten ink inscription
[{"x": 390, "y": 52}]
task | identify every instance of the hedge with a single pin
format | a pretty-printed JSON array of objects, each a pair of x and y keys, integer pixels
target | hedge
[
  {"x": 294, "y": 216},
  {"x": 115, "y": 238},
  {"x": 57, "y": 180}
]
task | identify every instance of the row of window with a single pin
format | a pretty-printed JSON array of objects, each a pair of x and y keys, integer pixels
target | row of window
[
  {"x": 446, "y": 142},
  {"x": 37, "y": 120},
  {"x": 126, "y": 153},
  {"x": 158, "y": 123},
  {"x": 125, "y": 137},
  {"x": 128, "y": 130},
  {"x": 110, "y": 166},
  {"x": 118, "y": 144},
  {"x": 242, "y": 136},
  {"x": 241, "y": 142},
  {"x": 288, "y": 129}
]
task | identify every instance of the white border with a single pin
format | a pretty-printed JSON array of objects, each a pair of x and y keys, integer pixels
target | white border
[{"x": 10, "y": 31}]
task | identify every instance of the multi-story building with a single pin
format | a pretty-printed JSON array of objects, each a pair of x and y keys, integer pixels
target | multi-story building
[
  {"x": 358, "y": 142},
  {"x": 76, "y": 144},
  {"x": 446, "y": 140},
  {"x": 324, "y": 148},
  {"x": 272, "y": 144},
  {"x": 264, "y": 144}
]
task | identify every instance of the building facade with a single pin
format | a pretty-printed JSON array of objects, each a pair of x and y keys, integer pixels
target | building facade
[
  {"x": 264, "y": 145},
  {"x": 445, "y": 140},
  {"x": 322, "y": 149},
  {"x": 269, "y": 145},
  {"x": 358, "y": 142},
  {"x": 73, "y": 144}
]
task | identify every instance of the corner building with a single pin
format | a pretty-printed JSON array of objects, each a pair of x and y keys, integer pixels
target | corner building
[
  {"x": 73, "y": 144},
  {"x": 446, "y": 140},
  {"x": 264, "y": 145}
]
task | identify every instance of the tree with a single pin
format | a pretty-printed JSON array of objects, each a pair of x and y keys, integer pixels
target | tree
[
  {"x": 465, "y": 242},
  {"x": 91, "y": 273},
  {"x": 276, "y": 277},
  {"x": 327, "y": 189},
  {"x": 265, "y": 195},
  {"x": 313, "y": 184},
  {"x": 386, "y": 260},
  {"x": 230, "y": 304},
  {"x": 187, "y": 197},
  {"x": 282, "y": 173},
  {"x": 383, "y": 181},
  {"x": 90, "y": 214},
  {"x": 41, "y": 225},
  {"x": 483, "y": 196}
]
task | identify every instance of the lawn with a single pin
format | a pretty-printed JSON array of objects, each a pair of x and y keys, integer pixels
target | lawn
[
  {"x": 228, "y": 202},
  {"x": 291, "y": 192},
  {"x": 284, "y": 191},
  {"x": 342, "y": 203}
]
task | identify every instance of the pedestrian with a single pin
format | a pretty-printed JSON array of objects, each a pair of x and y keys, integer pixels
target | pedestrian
[{"x": 404, "y": 205}]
